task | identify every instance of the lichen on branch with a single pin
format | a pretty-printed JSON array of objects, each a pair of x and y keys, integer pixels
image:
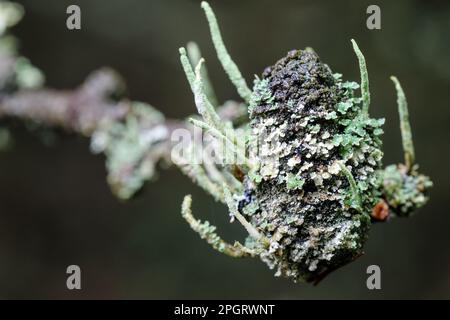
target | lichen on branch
[{"x": 306, "y": 180}]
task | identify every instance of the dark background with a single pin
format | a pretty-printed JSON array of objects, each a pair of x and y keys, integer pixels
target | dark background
[{"x": 56, "y": 208}]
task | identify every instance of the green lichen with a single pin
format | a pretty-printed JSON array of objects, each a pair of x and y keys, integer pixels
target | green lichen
[
  {"x": 207, "y": 232},
  {"x": 27, "y": 75},
  {"x": 405, "y": 191},
  {"x": 228, "y": 64},
  {"x": 294, "y": 182},
  {"x": 261, "y": 94}
]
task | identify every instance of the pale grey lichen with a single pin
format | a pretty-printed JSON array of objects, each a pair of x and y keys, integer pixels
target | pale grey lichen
[
  {"x": 15, "y": 71},
  {"x": 10, "y": 14},
  {"x": 126, "y": 146}
]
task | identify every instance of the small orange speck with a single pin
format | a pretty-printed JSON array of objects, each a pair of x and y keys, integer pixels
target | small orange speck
[{"x": 380, "y": 211}]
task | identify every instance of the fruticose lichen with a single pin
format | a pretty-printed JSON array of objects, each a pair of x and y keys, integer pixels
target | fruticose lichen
[{"x": 312, "y": 181}]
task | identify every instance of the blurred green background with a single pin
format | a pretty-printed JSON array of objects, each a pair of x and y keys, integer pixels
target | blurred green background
[{"x": 56, "y": 208}]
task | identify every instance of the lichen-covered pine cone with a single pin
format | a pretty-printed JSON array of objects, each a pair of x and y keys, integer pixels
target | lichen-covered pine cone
[
  {"x": 310, "y": 135},
  {"x": 311, "y": 180}
]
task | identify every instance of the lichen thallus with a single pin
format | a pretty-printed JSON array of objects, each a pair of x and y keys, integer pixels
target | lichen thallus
[{"x": 309, "y": 211}]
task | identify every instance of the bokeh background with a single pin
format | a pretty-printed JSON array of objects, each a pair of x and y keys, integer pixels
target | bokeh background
[{"x": 56, "y": 208}]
